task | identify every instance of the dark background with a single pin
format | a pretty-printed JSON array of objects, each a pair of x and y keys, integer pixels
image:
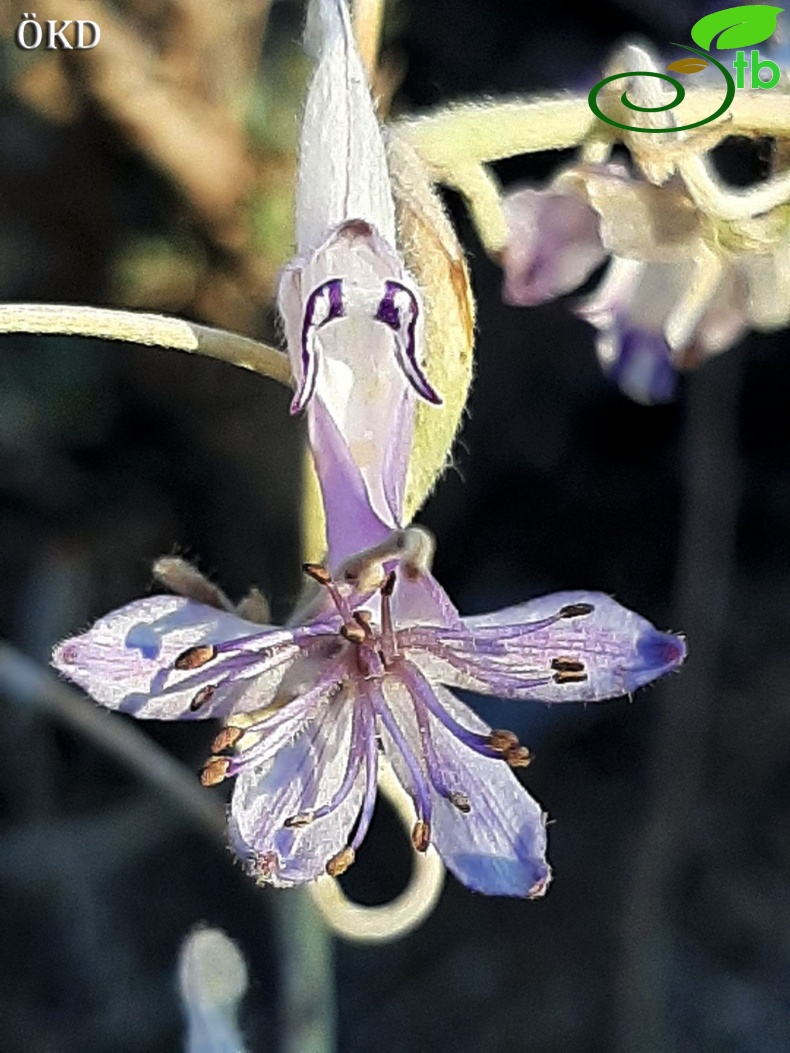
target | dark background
[{"x": 668, "y": 924}]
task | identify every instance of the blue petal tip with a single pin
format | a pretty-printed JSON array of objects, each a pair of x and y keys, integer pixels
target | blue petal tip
[{"x": 659, "y": 653}]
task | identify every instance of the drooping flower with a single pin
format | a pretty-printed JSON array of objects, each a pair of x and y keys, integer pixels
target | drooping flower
[
  {"x": 681, "y": 286},
  {"x": 368, "y": 664},
  {"x": 695, "y": 263},
  {"x": 309, "y": 709}
]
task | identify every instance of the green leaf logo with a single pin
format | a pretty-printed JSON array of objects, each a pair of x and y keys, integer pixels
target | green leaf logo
[{"x": 736, "y": 27}]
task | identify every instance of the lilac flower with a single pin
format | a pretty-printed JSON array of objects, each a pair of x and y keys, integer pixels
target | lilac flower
[
  {"x": 309, "y": 709},
  {"x": 628, "y": 310},
  {"x": 367, "y": 665},
  {"x": 679, "y": 286}
]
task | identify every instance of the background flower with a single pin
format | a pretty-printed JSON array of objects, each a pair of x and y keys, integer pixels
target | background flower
[{"x": 680, "y": 286}]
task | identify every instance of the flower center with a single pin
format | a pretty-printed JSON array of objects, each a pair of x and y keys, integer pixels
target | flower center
[
  {"x": 376, "y": 649},
  {"x": 366, "y": 661}
]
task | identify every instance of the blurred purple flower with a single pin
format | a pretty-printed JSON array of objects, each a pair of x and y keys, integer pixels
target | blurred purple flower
[
  {"x": 629, "y": 309},
  {"x": 554, "y": 245},
  {"x": 309, "y": 708},
  {"x": 675, "y": 291}
]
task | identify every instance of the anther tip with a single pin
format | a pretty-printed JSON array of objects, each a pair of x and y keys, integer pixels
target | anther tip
[
  {"x": 500, "y": 739},
  {"x": 302, "y": 819},
  {"x": 340, "y": 863},
  {"x": 461, "y": 802},
  {"x": 318, "y": 573},
  {"x": 195, "y": 657},
  {"x": 226, "y": 739},
  {"x": 204, "y": 695},
  {"x": 421, "y": 836},
  {"x": 565, "y": 664},
  {"x": 353, "y": 632},
  {"x": 214, "y": 771},
  {"x": 388, "y": 587},
  {"x": 518, "y": 757}
]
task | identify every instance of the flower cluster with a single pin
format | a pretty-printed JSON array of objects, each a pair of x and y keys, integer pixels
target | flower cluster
[
  {"x": 680, "y": 286},
  {"x": 366, "y": 666},
  {"x": 693, "y": 262}
]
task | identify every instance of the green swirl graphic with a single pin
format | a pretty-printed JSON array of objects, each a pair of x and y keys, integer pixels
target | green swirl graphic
[{"x": 680, "y": 94}]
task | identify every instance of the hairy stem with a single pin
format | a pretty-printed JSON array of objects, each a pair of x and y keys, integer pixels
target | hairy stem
[{"x": 153, "y": 330}]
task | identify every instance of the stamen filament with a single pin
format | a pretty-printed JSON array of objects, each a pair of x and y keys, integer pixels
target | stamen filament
[
  {"x": 320, "y": 574},
  {"x": 504, "y": 679},
  {"x": 420, "y": 688},
  {"x": 371, "y": 773},
  {"x": 355, "y": 757},
  {"x": 421, "y": 793},
  {"x": 460, "y": 800},
  {"x": 389, "y": 638},
  {"x": 494, "y": 633}
]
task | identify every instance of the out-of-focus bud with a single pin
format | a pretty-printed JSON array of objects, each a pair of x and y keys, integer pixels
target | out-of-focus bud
[{"x": 212, "y": 980}]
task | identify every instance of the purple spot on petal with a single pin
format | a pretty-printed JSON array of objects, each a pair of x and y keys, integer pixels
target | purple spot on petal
[
  {"x": 402, "y": 320},
  {"x": 387, "y": 311},
  {"x": 327, "y": 299},
  {"x": 661, "y": 650},
  {"x": 142, "y": 638},
  {"x": 68, "y": 655},
  {"x": 657, "y": 653}
]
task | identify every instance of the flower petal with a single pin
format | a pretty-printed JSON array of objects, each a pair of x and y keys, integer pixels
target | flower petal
[
  {"x": 342, "y": 164},
  {"x": 640, "y": 363},
  {"x": 126, "y": 660},
  {"x": 630, "y": 310},
  {"x": 423, "y": 601},
  {"x": 566, "y": 647},
  {"x": 499, "y": 846},
  {"x": 302, "y": 777},
  {"x": 360, "y": 400},
  {"x": 351, "y": 524},
  {"x": 554, "y": 245}
]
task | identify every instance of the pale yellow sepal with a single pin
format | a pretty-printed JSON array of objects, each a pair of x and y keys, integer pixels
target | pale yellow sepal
[
  {"x": 435, "y": 258},
  {"x": 313, "y": 519}
]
